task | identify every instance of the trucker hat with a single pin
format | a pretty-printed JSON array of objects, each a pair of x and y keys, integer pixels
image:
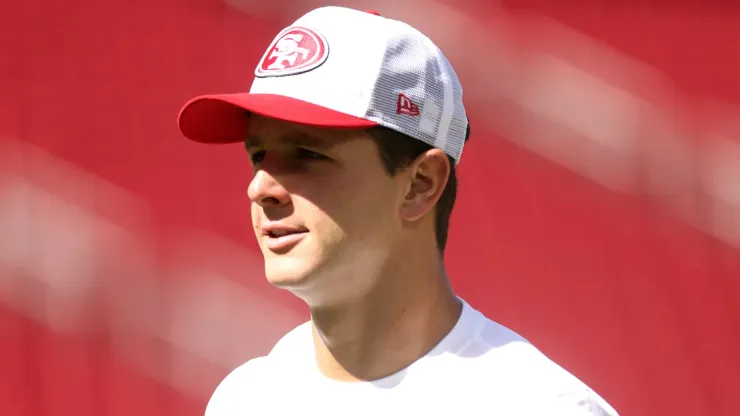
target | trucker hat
[{"x": 343, "y": 68}]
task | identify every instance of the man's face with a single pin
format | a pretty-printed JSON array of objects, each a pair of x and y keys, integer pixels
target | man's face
[{"x": 323, "y": 208}]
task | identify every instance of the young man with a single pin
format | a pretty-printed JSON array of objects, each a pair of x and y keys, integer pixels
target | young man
[{"x": 354, "y": 125}]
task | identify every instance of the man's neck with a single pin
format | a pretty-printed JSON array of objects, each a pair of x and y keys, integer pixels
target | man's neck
[{"x": 403, "y": 319}]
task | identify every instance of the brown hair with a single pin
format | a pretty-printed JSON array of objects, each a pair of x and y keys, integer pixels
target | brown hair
[{"x": 398, "y": 151}]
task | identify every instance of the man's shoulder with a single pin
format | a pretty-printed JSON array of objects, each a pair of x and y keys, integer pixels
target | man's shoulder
[
  {"x": 295, "y": 345},
  {"x": 227, "y": 398},
  {"x": 495, "y": 345},
  {"x": 505, "y": 362},
  {"x": 248, "y": 383}
]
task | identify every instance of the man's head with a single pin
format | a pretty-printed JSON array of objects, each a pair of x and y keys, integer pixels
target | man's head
[
  {"x": 355, "y": 123},
  {"x": 327, "y": 203}
]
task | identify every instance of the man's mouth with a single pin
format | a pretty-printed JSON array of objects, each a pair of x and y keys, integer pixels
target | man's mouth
[
  {"x": 283, "y": 233},
  {"x": 281, "y": 239}
]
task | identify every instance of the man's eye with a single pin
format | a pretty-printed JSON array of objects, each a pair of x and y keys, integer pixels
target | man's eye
[
  {"x": 306, "y": 154},
  {"x": 258, "y": 156}
]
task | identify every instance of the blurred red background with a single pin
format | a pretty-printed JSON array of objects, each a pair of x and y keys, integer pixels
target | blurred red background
[{"x": 599, "y": 213}]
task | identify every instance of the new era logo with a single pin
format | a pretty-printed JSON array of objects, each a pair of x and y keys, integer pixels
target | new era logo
[{"x": 406, "y": 106}]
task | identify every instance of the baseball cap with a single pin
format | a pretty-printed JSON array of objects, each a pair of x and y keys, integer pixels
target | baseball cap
[{"x": 343, "y": 68}]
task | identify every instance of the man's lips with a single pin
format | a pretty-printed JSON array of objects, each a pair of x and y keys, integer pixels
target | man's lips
[
  {"x": 280, "y": 238},
  {"x": 280, "y": 230}
]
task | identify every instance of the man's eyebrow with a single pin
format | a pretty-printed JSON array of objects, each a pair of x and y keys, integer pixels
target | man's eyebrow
[{"x": 296, "y": 139}]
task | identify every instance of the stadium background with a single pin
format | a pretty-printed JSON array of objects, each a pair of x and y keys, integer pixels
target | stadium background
[{"x": 599, "y": 212}]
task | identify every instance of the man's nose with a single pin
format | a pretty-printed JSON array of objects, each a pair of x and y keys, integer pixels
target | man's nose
[{"x": 267, "y": 191}]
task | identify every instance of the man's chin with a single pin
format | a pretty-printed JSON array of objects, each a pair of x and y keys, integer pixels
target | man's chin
[
  {"x": 286, "y": 273},
  {"x": 287, "y": 282}
]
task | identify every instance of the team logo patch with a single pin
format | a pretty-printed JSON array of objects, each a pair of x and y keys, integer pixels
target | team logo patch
[{"x": 295, "y": 50}]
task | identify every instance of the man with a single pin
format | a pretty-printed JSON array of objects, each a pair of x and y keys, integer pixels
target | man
[{"x": 354, "y": 126}]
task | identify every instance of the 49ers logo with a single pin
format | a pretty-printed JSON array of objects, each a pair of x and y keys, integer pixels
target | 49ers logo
[{"x": 294, "y": 50}]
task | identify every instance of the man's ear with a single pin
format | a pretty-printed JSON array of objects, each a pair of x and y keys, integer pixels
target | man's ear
[{"x": 427, "y": 177}]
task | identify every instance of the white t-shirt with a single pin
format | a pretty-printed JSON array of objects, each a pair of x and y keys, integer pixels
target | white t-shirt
[{"x": 479, "y": 368}]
